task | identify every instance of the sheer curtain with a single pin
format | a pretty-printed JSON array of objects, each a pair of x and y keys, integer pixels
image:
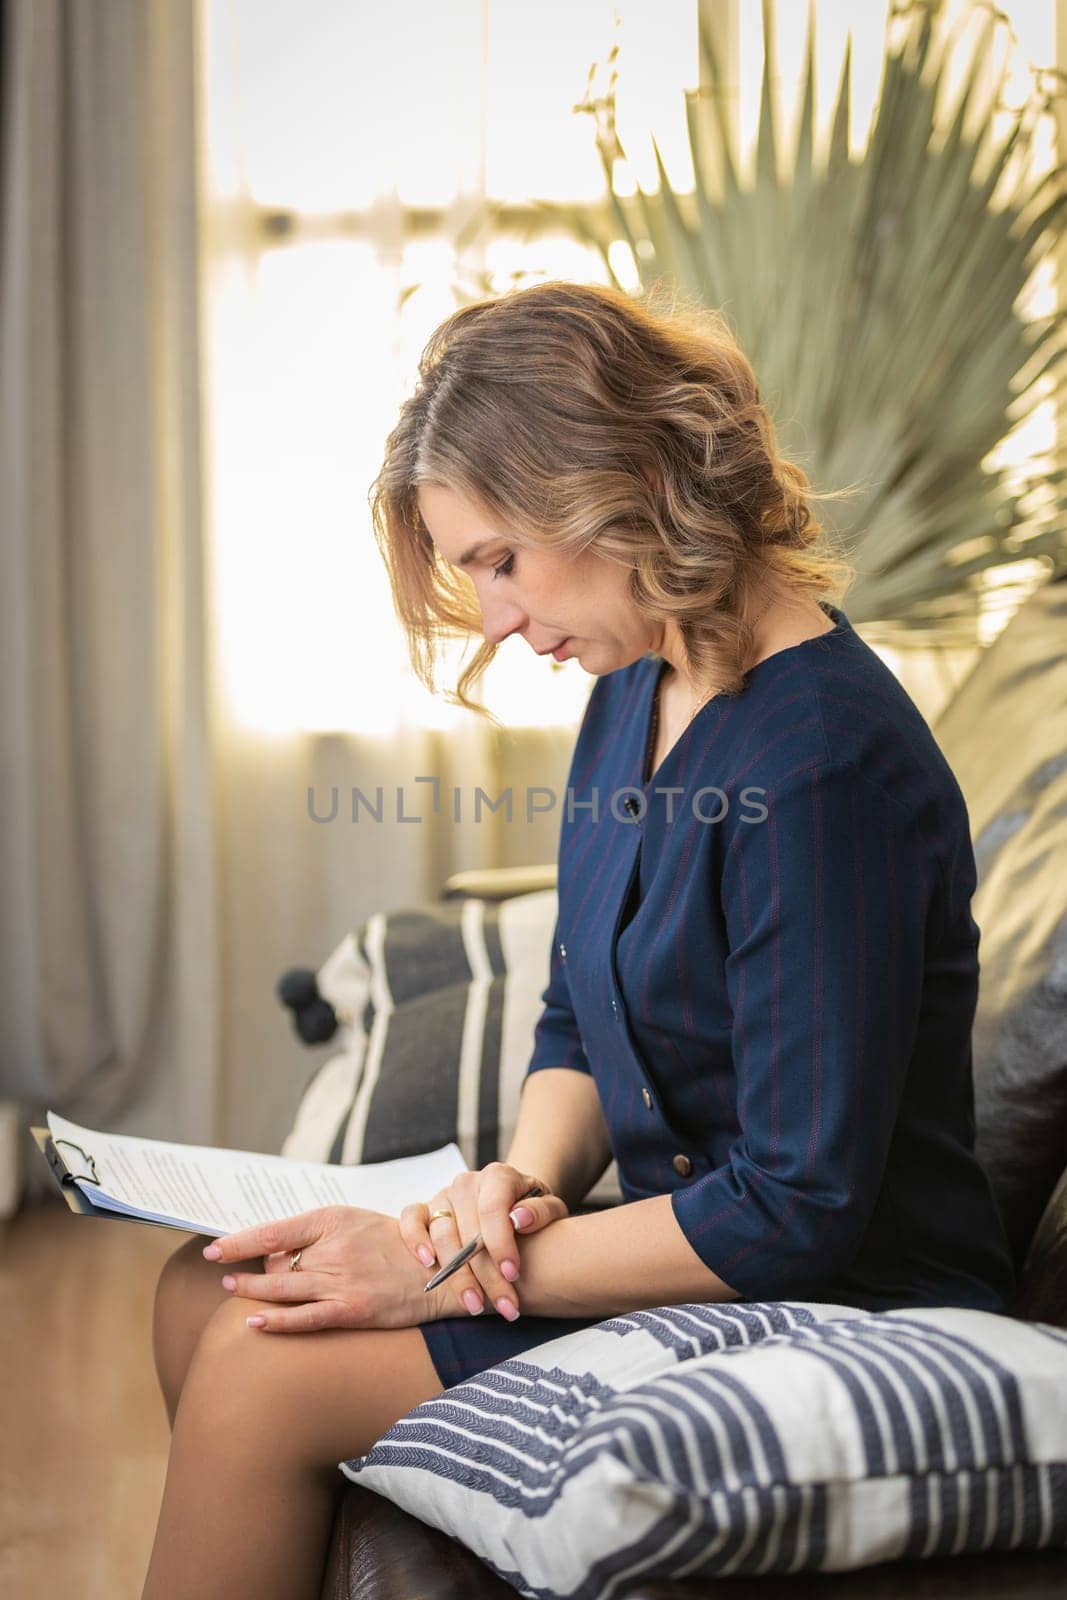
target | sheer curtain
[{"x": 110, "y": 908}]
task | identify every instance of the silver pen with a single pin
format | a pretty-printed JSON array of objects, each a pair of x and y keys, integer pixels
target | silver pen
[{"x": 464, "y": 1255}]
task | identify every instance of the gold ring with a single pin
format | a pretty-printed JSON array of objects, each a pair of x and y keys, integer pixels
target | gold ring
[
  {"x": 294, "y": 1261},
  {"x": 445, "y": 1213}
]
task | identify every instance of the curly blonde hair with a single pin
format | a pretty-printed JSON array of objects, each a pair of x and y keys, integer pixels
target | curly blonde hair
[{"x": 580, "y": 416}]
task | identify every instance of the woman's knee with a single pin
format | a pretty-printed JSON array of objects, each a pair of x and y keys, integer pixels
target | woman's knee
[
  {"x": 188, "y": 1282},
  {"x": 185, "y": 1291},
  {"x": 188, "y": 1291},
  {"x": 187, "y": 1257},
  {"x": 319, "y": 1397}
]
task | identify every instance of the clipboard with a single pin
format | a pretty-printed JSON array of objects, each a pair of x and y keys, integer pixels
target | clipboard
[
  {"x": 73, "y": 1162},
  {"x": 220, "y": 1190}
]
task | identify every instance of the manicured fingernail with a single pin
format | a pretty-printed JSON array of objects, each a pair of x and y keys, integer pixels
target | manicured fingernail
[
  {"x": 507, "y": 1308},
  {"x": 425, "y": 1255},
  {"x": 256, "y": 1322},
  {"x": 521, "y": 1217},
  {"x": 473, "y": 1302},
  {"x": 212, "y": 1252},
  {"x": 229, "y": 1282},
  {"x": 510, "y": 1270}
]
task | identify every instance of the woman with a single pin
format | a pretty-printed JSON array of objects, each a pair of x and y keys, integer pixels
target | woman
[{"x": 764, "y": 971}]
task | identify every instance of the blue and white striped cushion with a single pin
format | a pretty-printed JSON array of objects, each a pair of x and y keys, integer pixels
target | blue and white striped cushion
[{"x": 709, "y": 1440}]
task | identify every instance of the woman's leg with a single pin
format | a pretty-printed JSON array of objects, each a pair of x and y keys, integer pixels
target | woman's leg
[
  {"x": 188, "y": 1291},
  {"x": 263, "y": 1419}
]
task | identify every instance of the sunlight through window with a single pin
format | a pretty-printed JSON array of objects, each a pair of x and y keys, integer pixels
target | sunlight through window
[{"x": 347, "y": 150}]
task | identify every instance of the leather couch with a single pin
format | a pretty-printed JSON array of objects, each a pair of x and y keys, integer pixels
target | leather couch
[{"x": 1005, "y": 736}]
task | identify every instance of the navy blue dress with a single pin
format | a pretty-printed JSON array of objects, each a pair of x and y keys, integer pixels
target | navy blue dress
[{"x": 766, "y": 958}]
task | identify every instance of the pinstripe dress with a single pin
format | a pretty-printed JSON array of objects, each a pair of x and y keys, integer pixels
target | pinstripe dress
[{"x": 766, "y": 959}]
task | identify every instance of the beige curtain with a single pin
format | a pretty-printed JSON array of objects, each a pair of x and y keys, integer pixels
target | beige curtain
[
  {"x": 159, "y": 863},
  {"x": 110, "y": 905}
]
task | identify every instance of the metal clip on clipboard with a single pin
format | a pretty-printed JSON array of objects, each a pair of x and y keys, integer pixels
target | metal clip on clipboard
[
  {"x": 66, "y": 1176},
  {"x": 62, "y": 1169}
]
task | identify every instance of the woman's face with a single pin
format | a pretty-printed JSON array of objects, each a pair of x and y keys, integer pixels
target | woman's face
[{"x": 545, "y": 597}]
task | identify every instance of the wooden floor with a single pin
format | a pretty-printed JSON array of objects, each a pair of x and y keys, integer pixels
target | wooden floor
[{"x": 85, "y": 1437}]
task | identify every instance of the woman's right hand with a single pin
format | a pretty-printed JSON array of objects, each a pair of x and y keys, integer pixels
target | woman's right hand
[{"x": 481, "y": 1202}]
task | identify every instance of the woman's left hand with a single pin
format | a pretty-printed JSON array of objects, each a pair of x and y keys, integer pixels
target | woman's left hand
[{"x": 355, "y": 1271}]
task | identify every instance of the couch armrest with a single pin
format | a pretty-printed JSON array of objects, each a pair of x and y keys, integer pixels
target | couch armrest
[{"x": 499, "y": 883}]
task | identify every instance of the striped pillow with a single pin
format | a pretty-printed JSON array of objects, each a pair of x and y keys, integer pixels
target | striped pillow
[
  {"x": 708, "y": 1440},
  {"x": 437, "y": 1006}
]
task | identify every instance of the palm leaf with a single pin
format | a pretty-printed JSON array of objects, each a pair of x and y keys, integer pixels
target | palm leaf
[{"x": 878, "y": 298}]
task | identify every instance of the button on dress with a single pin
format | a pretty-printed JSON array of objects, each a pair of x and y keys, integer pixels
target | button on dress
[{"x": 765, "y": 957}]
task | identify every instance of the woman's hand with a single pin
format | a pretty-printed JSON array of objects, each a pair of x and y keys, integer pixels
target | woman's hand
[
  {"x": 482, "y": 1202},
  {"x": 355, "y": 1271}
]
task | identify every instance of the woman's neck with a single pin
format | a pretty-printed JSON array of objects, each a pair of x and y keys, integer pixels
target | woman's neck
[{"x": 786, "y": 620}]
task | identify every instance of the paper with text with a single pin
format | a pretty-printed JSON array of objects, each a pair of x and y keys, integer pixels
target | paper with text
[{"x": 209, "y": 1190}]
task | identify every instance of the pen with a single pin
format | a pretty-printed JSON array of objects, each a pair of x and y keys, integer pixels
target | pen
[{"x": 468, "y": 1250}]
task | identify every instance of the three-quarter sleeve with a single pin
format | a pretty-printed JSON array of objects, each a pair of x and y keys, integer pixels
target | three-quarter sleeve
[
  {"x": 557, "y": 1040},
  {"x": 825, "y": 903}
]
